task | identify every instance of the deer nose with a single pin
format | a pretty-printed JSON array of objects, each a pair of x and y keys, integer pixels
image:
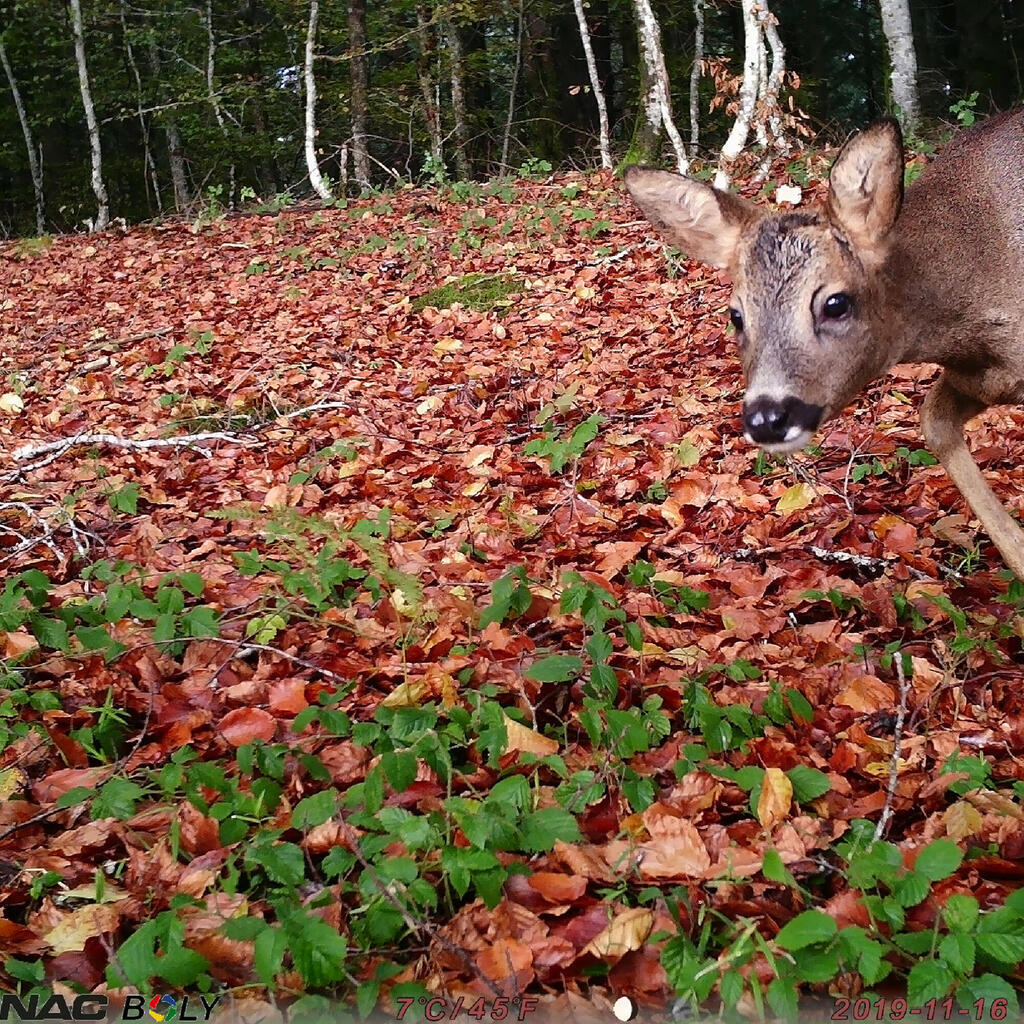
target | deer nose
[{"x": 774, "y": 420}]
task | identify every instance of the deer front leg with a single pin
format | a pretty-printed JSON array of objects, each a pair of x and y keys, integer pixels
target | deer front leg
[{"x": 943, "y": 415}]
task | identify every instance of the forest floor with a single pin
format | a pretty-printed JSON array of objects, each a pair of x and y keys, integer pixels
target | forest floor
[{"x": 402, "y": 615}]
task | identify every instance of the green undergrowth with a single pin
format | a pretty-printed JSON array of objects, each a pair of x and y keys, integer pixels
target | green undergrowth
[{"x": 394, "y": 865}]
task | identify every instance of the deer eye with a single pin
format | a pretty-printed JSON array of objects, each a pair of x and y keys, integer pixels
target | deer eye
[
  {"x": 737, "y": 319},
  {"x": 837, "y": 305}
]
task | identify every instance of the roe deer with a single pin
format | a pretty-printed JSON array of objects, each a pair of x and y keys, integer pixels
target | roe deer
[{"x": 825, "y": 301}]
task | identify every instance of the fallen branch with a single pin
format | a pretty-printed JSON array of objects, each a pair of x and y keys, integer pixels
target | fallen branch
[{"x": 897, "y": 743}]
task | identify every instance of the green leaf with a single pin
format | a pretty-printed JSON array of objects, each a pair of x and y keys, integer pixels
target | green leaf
[
  {"x": 1006, "y": 947},
  {"x": 283, "y": 862},
  {"x": 315, "y": 810},
  {"x": 958, "y": 952},
  {"x": 399, "y": 769},
  {"x": 634, "y": 636},
  {"x": 543, "y": 827},
  {"x": 192, "y": 582},
  {"x": 556, "y": 668},
  {"x": 995, "y": 994},
  {"x": 929, "y": 979},
  {"x": 730, "y": 988},
  {"x": 51, "y": 633},
  {"x": 939, "y": 859},
  {"x": 268, "y": 954},
  {"x": 961, "y": 912},
  {"x": 808, "y": 783},
  {"x": 31, "y": 971},
  {"x": 806, "y": 929},
  {"x": 774, "y": 870},
  {"x": 911, "y": 889},
  {"x": 117, "y": 799}
]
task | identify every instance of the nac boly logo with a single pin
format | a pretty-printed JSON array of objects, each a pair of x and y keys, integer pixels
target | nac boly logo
[{"x": 163, "y": 1009}]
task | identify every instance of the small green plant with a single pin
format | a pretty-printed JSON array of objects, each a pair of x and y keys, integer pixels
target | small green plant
[
  {"x": 560, "y": 451},
  {"x": 434, "y": 170},
  {"x": 533, "y": 167},
  {"x": 473, "y": 291},
  {"x": 965, "y": 109}
]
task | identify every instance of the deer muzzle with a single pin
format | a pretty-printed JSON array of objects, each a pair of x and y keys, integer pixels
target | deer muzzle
[{"x": 780, "y": 424}]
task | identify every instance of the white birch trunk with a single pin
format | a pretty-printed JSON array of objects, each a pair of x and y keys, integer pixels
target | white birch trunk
[
  {"x": 595, "y": 85},
  {"x": 99, "y": 188},
  {"x": 33, "y": 163},
  {"x": 659, "y": 97},
  {"x": 698, "y": 57},
  {"x": 211, "y": 94},
  {"x": 899, "y": 35},
  {"x": 737, "y": 139},
  {"x": 773, "y": 86},
  {"x": 312, "y": 166}
]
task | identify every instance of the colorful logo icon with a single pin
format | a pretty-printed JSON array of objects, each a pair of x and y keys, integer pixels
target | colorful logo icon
[{"x": 163, "y": 1008}]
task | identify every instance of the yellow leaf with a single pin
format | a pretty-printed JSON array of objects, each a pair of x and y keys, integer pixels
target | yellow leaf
[
  {"x": 405, "y": 695},
  {"x": 11, "y": 403},
  {"x": 961, "y": 820},
  {"x": 795, "y": 498},
  {"x": 686, "y": 453},
  {"x": 11, "y": 780},
  {"x": 776, "y": 796},
  {"x": 429, "y": 404},
  {"x": 78, "y": 927},
  {"x": 528, "y": 741},
  {"x": 627, "y": 932},
  {"x": 448, "y": 345}
]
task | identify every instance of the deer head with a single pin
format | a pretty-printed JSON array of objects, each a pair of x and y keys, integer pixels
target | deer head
[{"x": 808, "y": 299}]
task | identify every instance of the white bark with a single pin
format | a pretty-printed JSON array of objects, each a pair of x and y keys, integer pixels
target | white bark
[
  {"x": 595, "y": 85},
  {"x": 752, "y": 47},
  {"x": 99, "y": 188},
  {"x": 175, "y": 148},
  {"x": 211, "y": 93},
  {"x": 30, "y": 146},
  {"x": 899, "y": 34},
  {"x": 698, "y": 57},
  {"x": 312, "y": 166},
  {"x": 659, "y": 97}
]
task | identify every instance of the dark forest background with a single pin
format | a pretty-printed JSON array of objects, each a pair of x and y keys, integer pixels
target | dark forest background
[{"x": 148, "y": 62}]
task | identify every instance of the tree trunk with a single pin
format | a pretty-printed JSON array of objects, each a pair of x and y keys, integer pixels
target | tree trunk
[
  {"x": 360, "y": 71},
  {"x": 30, "y": 146},
  {"x": 211, "y": 94},
  {"x": 752, "y": 48},
  {"x": 506, "y": 138},
  {"x": 698, "y": 57},
  {"x": 316, "y": 179},
  {"x": 658, "y": 97},
  {"x": 428, "y": 88},
  {"x": 595, "y": 84},
  {"x": 899, "y": 35},
  {"x": 149, "y": 175},
  {"x": 99, "y": 188},
  {"x": 463, "y": 168},
  {"x": 175, "y": 148}
]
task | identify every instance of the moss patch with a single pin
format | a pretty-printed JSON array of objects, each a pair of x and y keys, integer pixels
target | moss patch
[{"x": 474, "y": 291}]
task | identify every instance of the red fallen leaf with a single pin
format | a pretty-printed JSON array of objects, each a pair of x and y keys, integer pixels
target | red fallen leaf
[
  {"x": 243, "y": 725},
  {"x": 287, "y": 695},
  {"x": 57, "y": 783},
  {"x": 199, "y": 834},
  {"x": 508, "y": 963},
  {"x": 556, "y": 887}
]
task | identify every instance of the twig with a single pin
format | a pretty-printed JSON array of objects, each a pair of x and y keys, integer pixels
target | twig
[
  {"x": 53, "y": 450},
  {"x": 897, "y": 742}
]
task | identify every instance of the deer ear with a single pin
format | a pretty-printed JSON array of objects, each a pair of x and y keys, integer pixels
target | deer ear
[
  {"x": 705, "y": 223},
  {"x": 866, "y": 185}
]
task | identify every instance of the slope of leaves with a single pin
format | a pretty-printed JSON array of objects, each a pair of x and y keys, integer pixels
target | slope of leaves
[{"x": 468, "y": 650}]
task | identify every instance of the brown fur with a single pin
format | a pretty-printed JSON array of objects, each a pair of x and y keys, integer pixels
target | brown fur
[{"x": 933, "y": 276}]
